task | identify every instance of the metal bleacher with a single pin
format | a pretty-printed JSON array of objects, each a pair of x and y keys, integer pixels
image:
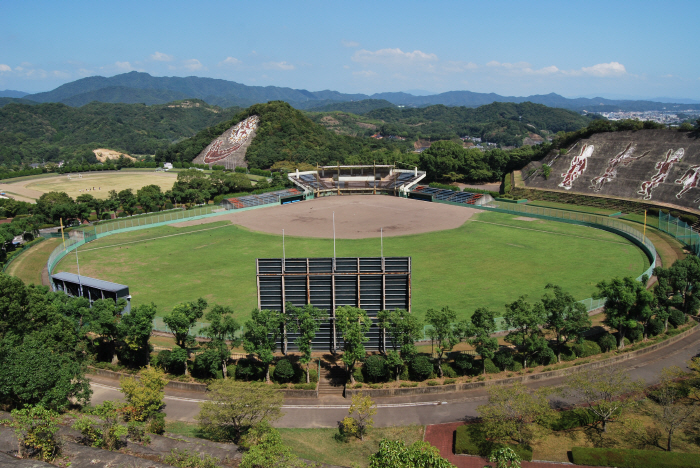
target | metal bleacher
[
  {"x": 452, "y": 196},
  {"x": 257, "y": 200}
]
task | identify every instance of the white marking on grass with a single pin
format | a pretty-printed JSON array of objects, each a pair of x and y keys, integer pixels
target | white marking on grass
[{"x": 155, "y": 238}]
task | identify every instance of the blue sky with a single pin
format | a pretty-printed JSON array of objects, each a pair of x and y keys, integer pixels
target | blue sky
[{"x": 608, "y": 48}]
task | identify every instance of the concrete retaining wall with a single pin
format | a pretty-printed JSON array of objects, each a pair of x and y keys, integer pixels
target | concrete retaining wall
[
  {"x": 197, "y": 387},
  {"x": 390, "y": 392}
]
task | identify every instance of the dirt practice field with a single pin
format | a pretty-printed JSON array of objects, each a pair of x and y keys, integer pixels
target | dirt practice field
[
  {"x": 30, "y": 190},
  {"x": 356, "y": 217}
]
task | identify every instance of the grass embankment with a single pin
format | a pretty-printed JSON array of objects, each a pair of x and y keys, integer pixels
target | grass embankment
[
  {"x": 28, "y": 265},
  {"x": 321, "y": 445},
  {"x": 489, "y": 261},
  {"x": 570, "y": 207}
]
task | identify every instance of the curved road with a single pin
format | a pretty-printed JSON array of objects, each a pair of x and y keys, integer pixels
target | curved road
[{"x": 421, "y": 409}]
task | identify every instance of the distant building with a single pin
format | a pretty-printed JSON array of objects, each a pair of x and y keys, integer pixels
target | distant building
[{"x": 167, "y": 166}]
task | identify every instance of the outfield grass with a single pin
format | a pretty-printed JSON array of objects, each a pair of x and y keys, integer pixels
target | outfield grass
[
  {"x": 489, "y": 261},
  {"x": 106, "y": 181},
  {"x": 29, "y": 264}
]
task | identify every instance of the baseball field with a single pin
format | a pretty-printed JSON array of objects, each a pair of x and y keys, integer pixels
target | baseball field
[{"x": 489, "y": 259}]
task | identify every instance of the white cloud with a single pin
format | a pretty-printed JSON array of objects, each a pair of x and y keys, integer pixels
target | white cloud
[
  {"x": 5, "y": 68},
  {"x": 230, "y": 61},
  {"x": 364, "y": 73},
  {"x": 394, "y": 57},
  {"x": 605, "y": 69},
  {"x": 278, "y": 66},
  {"x": 161, "y": 57},
  {"x": 192, "y": 64},
  {"x": 60, "y": 74},
  {"x": 124, "y": 66},
  {"x": 458, "y": 67},
  {"x": 350, "y": 43}
]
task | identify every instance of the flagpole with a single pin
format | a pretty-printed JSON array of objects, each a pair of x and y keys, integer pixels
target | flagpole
[{"x": 80, "y": 281}]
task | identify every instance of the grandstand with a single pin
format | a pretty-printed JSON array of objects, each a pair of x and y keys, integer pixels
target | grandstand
[
  {"x": 278, "y": 197},
  {"x": 369, "y": 179},
  {"x": 423, "y": 192}
]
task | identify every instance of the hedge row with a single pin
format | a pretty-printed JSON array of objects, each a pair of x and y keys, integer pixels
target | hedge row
[
  {"x": 469, "y": 439},
  {"x": 627, "y": 458}
]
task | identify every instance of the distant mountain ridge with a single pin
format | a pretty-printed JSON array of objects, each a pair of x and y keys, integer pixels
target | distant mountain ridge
[
  {"x": 12, "y": 93},
  {"x": 136, "y": 87}
]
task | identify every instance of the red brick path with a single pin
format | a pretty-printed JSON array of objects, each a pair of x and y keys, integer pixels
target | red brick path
[{"x": 441, "y": 436}]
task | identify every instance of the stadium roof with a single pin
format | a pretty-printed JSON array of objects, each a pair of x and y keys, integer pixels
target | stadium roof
[{"x": 89, "y": 282}]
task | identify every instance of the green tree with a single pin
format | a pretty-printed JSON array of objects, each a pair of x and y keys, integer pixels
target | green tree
[
  {"x": 150, "y": 198},
  {"x": 444, "y": 332},
  {"x": 262, "y": 332},
  {"x": 144, "y": 396},
  {"x": 625, "y": 301},
  {"x": 234, "y": 407},
  {"x": 604, "y": 393},
  {"x": 181, "y": 320},
  {"x": 404, "y": 328},
  {"x": 683, "y": 281},
  {"x": 668, "y": 407},
  {"x": 483, "y": 326},
  {"x": 395, "y": 454},
  {"x": 360, "y": 416},
  {"x": 505, "y": 457},
  {"x": 513, "y": 413},
  {"x": 105, "y": 315},
  {"x": 353, "y": 324},
  {"x": 222, "y": 328},
  {"x": 565, "y": 317},
  {"x": 305, "y": 321},
  {"x": 135, "y": 331},
  {"x": 525, "y": 321},
  {"x": 128, "y": 201},
  {"x": 107, "y": 435}
]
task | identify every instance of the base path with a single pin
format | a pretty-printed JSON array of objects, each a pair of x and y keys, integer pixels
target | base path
[{"x": 356, "y": 217}]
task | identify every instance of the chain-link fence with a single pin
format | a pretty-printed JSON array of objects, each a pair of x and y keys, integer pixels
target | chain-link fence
[
  {"x": 156, "y": 219},
  {"x": 680, "y": 230}
]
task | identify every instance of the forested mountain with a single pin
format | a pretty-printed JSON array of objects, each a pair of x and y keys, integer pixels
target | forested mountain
[
  {"x": 54, "y": 132},
  {"x": 286, "y": 134},
  {"x": 6, "y": 100},
  {"x": 12, "y": 93},
  {"x": 503, "y": 123},
  {"x": 124, "y": 95},
  {"x": 228, "y": 93},
  {"x": 353, "y": 107}
]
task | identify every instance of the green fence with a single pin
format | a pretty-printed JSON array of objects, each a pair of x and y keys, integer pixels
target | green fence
[{"x": 680, "y": 230}]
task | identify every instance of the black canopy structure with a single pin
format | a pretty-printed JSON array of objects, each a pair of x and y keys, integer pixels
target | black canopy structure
[{"x": 92, "y": 288}]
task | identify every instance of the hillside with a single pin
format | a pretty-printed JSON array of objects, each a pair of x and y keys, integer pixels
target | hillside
[
  {"x": 353, "y": 107},
  {"x": 652, "y": 166},
  {"x": 504, "y": 123},
  {"x": 286, "y": 134},
  {"x": 54, "y": 132},
  {"x": 229, "y": 93}
]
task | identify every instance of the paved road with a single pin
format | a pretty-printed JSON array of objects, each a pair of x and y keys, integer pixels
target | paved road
[{"x": 422, "y": 409}]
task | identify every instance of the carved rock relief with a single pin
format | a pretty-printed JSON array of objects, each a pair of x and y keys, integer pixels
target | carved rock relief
[
  {"x": 623, "y": 158},
  {"x": 663, "y": 168},
  {"x": 231, "y": 140},
  {"x": 577, "y": 167}
]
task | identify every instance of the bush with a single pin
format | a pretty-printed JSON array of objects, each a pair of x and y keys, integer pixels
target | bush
[
  {"x": 632, "y": 458},
  {"x": 184, "y": 459},
  {"x": 607, "y": 342},
  {"x": 421, "y": 368},
  {"x": 516, "y": 367},
  {"x": 547, "y": 357},
  {"x": 586, "y": 348},
  {"x": 357, "y": 375},
  {"x": 432, "y": 383},
  {"x": 470, "y": 440},
  {"x": 156, "y": 425},
  {"x": 404, "y": 374},
  {"x": 677, "y": 318},
  {"x": 137, "y": 433},
  {"x": 313, "y": 376},
  {"x": 246, "y": 370},
  {"x": 448, "y": 370},
  {"x": 464, "y": 363},
  {"x": 449, "y": 381},
  {"x": 408, "y": 384},
  {"x": 284, "y": 371},
  {"x": 656, "y": 327},
  {"x": 375, "y": 368},
  {"x": 635, "y": 334},
  {"x": 206, "y": 364},
  {"x": 491, "y": 367},
  {"x": 503, "y": 358}
]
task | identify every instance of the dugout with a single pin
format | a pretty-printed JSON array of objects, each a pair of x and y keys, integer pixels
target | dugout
[{"x": 92, "y": 288}]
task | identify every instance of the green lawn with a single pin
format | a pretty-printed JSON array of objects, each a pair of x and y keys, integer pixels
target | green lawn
[
  {"x": 490, "y": 260},
  {"x": 28, "y": 265}
]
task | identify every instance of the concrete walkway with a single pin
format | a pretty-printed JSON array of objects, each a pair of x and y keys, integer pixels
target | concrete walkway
[{"x": 417, "y": 409}]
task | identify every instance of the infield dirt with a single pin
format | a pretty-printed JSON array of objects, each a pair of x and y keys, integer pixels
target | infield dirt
[{"x": 356, "y": 217}]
